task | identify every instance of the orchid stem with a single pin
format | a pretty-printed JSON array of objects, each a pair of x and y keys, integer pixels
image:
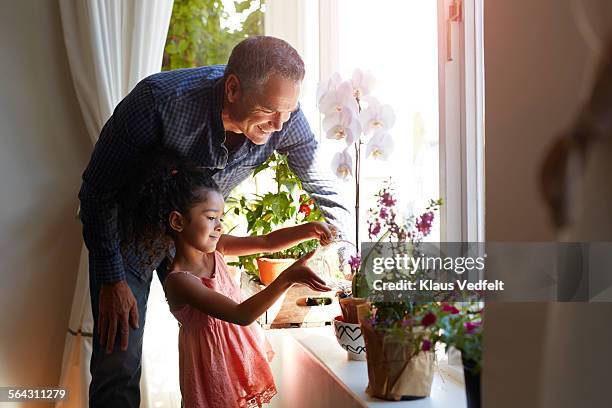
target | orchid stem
[{"x": 357, "y": 176}]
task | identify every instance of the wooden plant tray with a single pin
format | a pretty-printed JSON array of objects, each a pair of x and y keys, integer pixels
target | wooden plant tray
[{"x": 286, "y": 312}]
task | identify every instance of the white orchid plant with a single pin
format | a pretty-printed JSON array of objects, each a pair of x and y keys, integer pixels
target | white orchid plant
[{"x": 351, "y": 114}]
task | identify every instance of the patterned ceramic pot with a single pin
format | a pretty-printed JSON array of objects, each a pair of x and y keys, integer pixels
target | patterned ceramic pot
[{"x": 349, "y": 337}]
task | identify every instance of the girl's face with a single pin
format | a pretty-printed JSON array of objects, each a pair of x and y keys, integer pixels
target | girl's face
[{"x": 202, "y": 229}]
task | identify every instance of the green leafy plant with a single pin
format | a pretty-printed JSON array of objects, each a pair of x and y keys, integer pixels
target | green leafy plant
[
  {"x": 287, "y": 205},
  {"x": 461, "y": 327},
  {"x": 197, "y": 35}
]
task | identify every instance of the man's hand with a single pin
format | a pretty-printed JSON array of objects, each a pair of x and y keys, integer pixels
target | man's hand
[{"x": 117, "y": 305}]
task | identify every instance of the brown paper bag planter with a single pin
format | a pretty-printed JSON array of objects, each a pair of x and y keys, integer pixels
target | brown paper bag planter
[
  {"x": 349, "y": 306},
  {"x": 395, "y": 372}
]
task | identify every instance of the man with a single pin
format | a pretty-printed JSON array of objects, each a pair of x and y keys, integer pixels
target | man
[{"x": 228, "y": 119}]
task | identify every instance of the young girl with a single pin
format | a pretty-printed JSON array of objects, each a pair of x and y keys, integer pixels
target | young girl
[{"x": 221, "y": 350}]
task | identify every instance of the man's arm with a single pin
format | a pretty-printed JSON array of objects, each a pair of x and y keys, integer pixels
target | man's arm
[
  {"x": 305, "y": 160},
  {"x": 133, "y": 128}
]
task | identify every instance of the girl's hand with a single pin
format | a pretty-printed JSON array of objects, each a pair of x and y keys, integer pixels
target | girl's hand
[
  {"x": 302, "y": 274},
  {"x": 322, "y": 231}
]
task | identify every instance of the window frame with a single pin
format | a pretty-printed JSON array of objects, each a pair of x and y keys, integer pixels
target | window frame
[{"x": 461, "y": 124}]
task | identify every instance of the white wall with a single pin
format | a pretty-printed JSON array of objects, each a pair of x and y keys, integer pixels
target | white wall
[
  {"x": 537, "y": 67},
  {"x": 43, "y": 151},
  {"x": 535, "y": 61}
]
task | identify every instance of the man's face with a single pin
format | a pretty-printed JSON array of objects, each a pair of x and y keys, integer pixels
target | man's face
[{"x": 258, "y": 112}]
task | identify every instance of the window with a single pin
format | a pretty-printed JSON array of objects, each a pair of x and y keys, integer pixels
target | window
[
  {"x": 432, "y": 80},
  {"x": 397, "y": 42}
]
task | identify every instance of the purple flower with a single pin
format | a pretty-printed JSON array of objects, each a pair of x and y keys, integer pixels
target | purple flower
[
  {"x": 383, "y": 213},
  {"x": 470, "y": 327},
  {"x": 387, "y": 199},
  {"x": 355, "y": 261},
  {"x": 449, "y": 308},
  {"x": 372, "y": 321},
  {"x": 428, "y": 319},
  {"x": 428, "y": 216},
  {"x": 426, "y": 345},
  {"x": 423, "y": 223},
  {"x": 373, "y": 230}
]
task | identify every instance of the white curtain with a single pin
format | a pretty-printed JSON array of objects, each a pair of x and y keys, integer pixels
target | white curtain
[
  {"x": 111, "y": 45},
  {"x": 297, "y": 22}
]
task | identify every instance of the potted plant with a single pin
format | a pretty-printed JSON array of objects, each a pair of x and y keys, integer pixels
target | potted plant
[
  {"x": 355, "y": 118},
  {"x": 461, "y": 328},
  {"x": 399, "y": 336},
  {"x": 288, "y": 204}
]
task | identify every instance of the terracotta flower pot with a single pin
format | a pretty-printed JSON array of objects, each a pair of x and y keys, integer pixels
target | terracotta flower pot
[{"x": 269, "y": 269}]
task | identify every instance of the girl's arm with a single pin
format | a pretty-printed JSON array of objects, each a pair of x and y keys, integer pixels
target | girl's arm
[
  {"x": 185, "y": 289},
  {"x": 276, "y": 240}
]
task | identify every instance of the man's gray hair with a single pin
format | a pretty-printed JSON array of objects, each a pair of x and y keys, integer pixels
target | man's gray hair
[{"x": 254, "y": 59}]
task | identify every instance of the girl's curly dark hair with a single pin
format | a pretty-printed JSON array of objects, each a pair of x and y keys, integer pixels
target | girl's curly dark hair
[{"x": 163, "y": 182}]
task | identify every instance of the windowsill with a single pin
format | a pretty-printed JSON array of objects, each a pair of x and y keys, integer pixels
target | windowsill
[{"x": 349, "y": 379}]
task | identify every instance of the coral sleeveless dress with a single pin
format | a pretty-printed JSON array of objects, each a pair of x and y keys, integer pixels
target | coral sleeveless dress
[{"x": 222, "y": 364}]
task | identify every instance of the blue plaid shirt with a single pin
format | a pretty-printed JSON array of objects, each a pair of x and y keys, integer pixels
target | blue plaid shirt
[{"x": 181, "y": 109}]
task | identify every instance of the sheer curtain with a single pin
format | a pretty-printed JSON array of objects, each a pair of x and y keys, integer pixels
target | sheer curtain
[
  {"x": 111, "y": 45},
  {"x": 297, "y": 22}
]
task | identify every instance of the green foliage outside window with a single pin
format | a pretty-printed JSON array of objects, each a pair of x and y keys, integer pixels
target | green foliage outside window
[{"x": 197, "y": 35}]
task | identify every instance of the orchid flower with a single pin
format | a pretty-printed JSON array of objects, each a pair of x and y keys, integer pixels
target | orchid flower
[
  {"x": 342, "y": 165},
  {"x": 362, "y": 83},
  {"x": 377, "y": 117},
  {"x": 330, "y": 85},
  {"x": 342, "y": 125},
  {"x": 380, "y": 146},
  {"x": 339, "y": 99},
  {"x": 350, "y": 112}
]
